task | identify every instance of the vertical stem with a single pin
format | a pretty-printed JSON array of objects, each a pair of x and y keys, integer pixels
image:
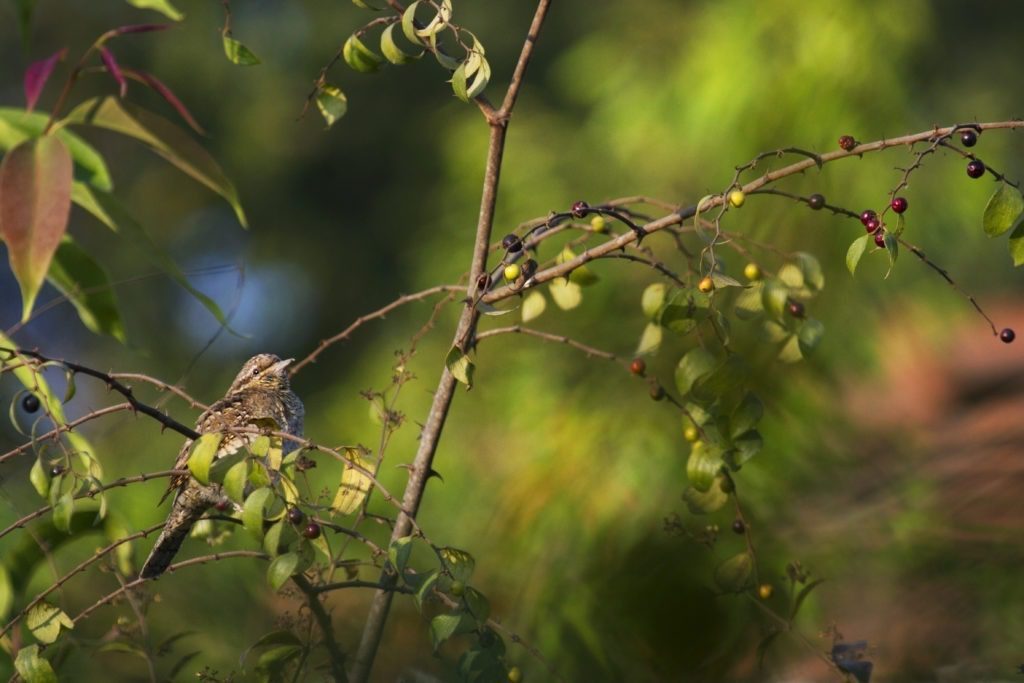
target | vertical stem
[{"x": 421, "y": 467}]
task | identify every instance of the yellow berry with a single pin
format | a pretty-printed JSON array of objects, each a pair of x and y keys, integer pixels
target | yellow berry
[
  {"x": 707, "y": 285},
  {"x": 736, "y": 198},
  {"x": 691, "y": 434},
  {"x": 512, "y": 272},
  {"x": 752, "y": 272},
  {"x": 765, "y": 590},
  {"x": 598, "y": 224},
  {"x": 515, "y": 675}
]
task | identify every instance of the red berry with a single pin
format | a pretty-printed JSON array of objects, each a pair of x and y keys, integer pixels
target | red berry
[
  {"x": 638, "y": 366},
  {"x": 222, "y": 505},
  {"x": 579, "y": 208},
  {"x": 847, "y": 142},
  {"x": 867, "y": 215},
  {"x": 295, "y": 515},
  {"x": 311, "y": 531},
  {"x": 899, "y": 204},
  {"x": 872, "y": 225},
  {"x": 880, "y": 238},
  {"x": 738, "y": 526},
  {"x": 1007, "y": 336},
  {"x": 976, "y": 168},
  {"x": 795, "y": 308},
  {"x": 816, "y": 201},
  {"x": 968, "y": 138}
]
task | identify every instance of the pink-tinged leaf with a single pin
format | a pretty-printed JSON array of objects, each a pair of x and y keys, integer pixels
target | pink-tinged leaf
[
  {"x": 36, "y": 76},
  {"x": 113, "y": 69},
  {"x": 166, "y": 93},
  {"x": 140, "y": 28},
  {"x": 35, "y": 200}
]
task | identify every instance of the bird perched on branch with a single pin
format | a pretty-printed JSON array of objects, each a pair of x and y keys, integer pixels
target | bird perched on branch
[{"x": 260, "y": 397}]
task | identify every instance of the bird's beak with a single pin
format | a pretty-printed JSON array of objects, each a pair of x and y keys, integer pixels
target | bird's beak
[{"x": 280, "y": 365}]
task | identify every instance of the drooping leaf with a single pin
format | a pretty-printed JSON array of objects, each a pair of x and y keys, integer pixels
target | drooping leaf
[
  {"x": 892, "y": 249},
  {"x": 810, "y": 268},
  {"x": 459, "y": 563},
  {"x": 653, "y": 299},
  {"x": 582, "y": 275},
  {"x": 533, "y": 306},
  {"x": 365, "y": 5},
  {"x": 733, "y": 575},
  {"x": 45, "y": 622},
  {"x": 35, "y": 201},
  {"x": 477, "y": 604},
  {"x": 114, "y": 69},
  {"x": 1017, "y": 244},
  {"x": 359, "y": 57},
  {"x": 1004, "y": 208},
  {"x": 252, "y": 511},
  {"x": 39, "y": 476},
  {"x": 439, "y": 22},
  {"x": 774, "y": 294},
  {"x": 444, "y": 626},
  {"x": 809, "y": 335},
  {"x": 746, "y": 415},
  {"x": 802, "y": 595},
  {"x": 165, "y": 92},
  {"x": 650, "y": 339},
  {"x": 567, "y": 294},
  {"x": 332, "y": 103},
  {"x": 354, "y": 484},
  {"x": 18, "y": 125},
  {"x": 234, "y": 481},
  {"x": 238, "y": 53},
  {"x": 162, "y": 6},
  {"x": 36, "y": 76},
  {"x": 63, "y": 510},
  {"x": 281, "y": 569},
  {"x": 696, "y": 364},
  {"x": 32, "y": 668},
  {"x": 426, "y": 588},
  {"x": 399, "y": 552},
  {"x": 705, "y": 502},
  {"x": 703, "y": 465},
  {"x": 85, "y": 284},
  {"x": 855, "y": 251},
  {"x": 6, "y": 592},
  {"x": 409, "y": 23},
  {"x": 743, "y": 448},
  {"x": 392, "y": 52},
  {"x": 164, "y": 138},
  {"x": 201, "y": 455},
  {"x": 460, "y": 365}
]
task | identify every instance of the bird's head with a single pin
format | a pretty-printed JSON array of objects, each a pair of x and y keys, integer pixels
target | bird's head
[{"x": 264, "y": 371}]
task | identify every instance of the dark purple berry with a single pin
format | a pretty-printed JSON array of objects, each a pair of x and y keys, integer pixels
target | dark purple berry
[
  {"x": 295, "y": 515},
  {"x": 529, "y": 268},
  {"x": 975, "y": 168},
  {"x": 816, "y": 201},
  {"x": 30, "y": 403},
  {"x": 657, "y": 392},
  {"x": 880, "y": 238},
  {"x": 638, "y": 366},
  {"x": 738, "y": 526},
  {"x": 483, "y": 282},
  {"x": 899, "y": 204},
  {"x": 873, "y": 225},
  {"x": 846, "y": 142},
  {"x": 311, "y": 531},
  {"x": 867, "y": 215},
  {"x": 968, "y": 138},
  {"x": 58, "y": 470},
  {"x": 1007, "y": 336},
  {"x": 512, "y": 243},
  {"x": 579, "y": 208},
  {"x": 795, "y": 308}
]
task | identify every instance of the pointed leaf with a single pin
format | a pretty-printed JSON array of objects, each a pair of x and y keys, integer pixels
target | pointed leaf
[
  {"x": 426, "y": 588},
  {"x": 734, "y": 574},
  {"x": 855, "y": 251},
  {"x": 332, "y": 103},
  {"x": 252, "y": 511},
  {"x": 35, "y": 201},
  {"x": 45, "y": 622},
  {"x": 201, "y": 455},
  {"x": 398, "y": 553},
  {"x": 39, "y": 476},
  {"x": 36, "y": 76},
  {"x": 234, "y": 481},
  {"x": 459, "y": 563},
  {"x": 461, "y": 367},
  {"x": 163, "y": 137},
  {"x": 87, "y": 287},
  {"x": 392, "y": 52},
  {"x": 696, "y": 364},
  {"x": 238, "y": 53},
  {"x": 1004, "y": 207},
  {"x": 444, "y": 626},
  {"x": 354, "y": 484},
  {"x": 653, "y": 299},
  {"x": 533, "y": 305},
  {"x": 18, "y": 125},
  {"x": 165, "y": 92},
  {"x": 409, "y": 23},
  {"x": 1017, "y": 244},
  {"x": 650, "y": 339},
  {"x": 567, "y": 295},
  {"x": 110, "y": 62},
  {"x": 281, "y": 569},
  {"x": 359, "y": 57},
  {"x": 32, "y": 668},
  {"x": 162, "y": 6}
]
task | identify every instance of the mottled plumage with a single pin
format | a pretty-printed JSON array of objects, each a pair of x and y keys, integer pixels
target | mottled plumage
[{"x": 260, "y": 396}]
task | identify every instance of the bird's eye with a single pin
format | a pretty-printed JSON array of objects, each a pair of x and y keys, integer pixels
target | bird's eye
[{"x": 255, "y": 371}]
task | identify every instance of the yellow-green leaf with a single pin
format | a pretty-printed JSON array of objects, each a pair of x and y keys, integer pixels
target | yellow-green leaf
[
  {"x": 392, "y": 52},
  {"x": 533, "y": 305},
  {"x": 460, "y": 366},
  {"x": 354, "y": 484},
  {"x": 332, "y": 103},
  {"x": 203, "y": 451},
  {"x": 650, "y": 340},
  {"x": 733, "y": 575},
  {"x": 652, "y": 299},
  {"x": 359, "y": 57},
  {"x": 281, "y": 569},
  {"x": 567, "y": 295},
  {"x": 163, "y": 6},
  {"x": 1004, "y": 208},
  {"x": 45, "y": 622},
  {"x": 239, "y": 54},
  {"x": 32, "y": 668},
  {"x": 252, "y": 511}
]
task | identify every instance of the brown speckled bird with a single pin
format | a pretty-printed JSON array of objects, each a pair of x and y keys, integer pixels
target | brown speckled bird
[{"x": 261, "y": 397}]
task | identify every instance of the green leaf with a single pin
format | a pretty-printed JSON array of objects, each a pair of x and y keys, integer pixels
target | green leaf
[
  {"x": 392, "y": 52},
  {"x": 705, "y": 502},
  {"x": 273, "y": 660},
  {"x": 790, "y": 351},
  {"x": 1017, "y": 244},
  {"x": 802, "y": 595},
  {"x": 855, "y": 251},
  {"x": 744, "y": 447},
  {"x": 774, "y": 295},
  {"x": 332, "y": 103},
  {"x": 746, "y": 415},
  {"x": 444, "y": 626},
  {"x": 6, "y": 592},
  {"x": 653, "y": 299},
  {"x": 24, "y": 9},
  {"x": 748, "y": 303},
  {"x": 234, "y": 481},
  {"x": 733, "y": 575},
  {"x": 533, "y": 305},
  {"x": 252, "y": 511},
  {"x": 354, "y": 484},
  {"x": 164, "y": 7},
  {"x": 45, "y": 622},
  {"x": 892, "y": 248},
  {"x": 439, "y": 22},
  {"x": 63, "y": 511},
  {"x": 166, "y": 139},
  {"x": 85, "y": 284},
  {"x": 359, "y": 57},
  {"x": 366, "y": 5},
  {"x": 272, "y": 639},
  {"x": 409, "y": 23},
  {"x": 567, "y": 295},
  {"x": 18, "y": 125},
  {"x": 809, "y": 334},
  {"x": 650, "y": 340},
  {"x": 810, "y": 269},
  {"x": 582, "y": 275},
  {"x": 477, "y": 604},
  {"x": 723, "y": 280},
  {"x": 35, "y": 202},
  {"x": 32, "y": 668},
  {"x": 426, "y": 588},
  {"x": 1004, "y": 208},
  {"x": 703, "y": 465},
  {"x": 201, "y": 455},
  {"x": 697, "y": 363},
  {"x": 281, "y": 569},
  {"x": 459, "y": 563},
  {"x": 461, "y": 367},
  {"x": 398, "y": 553},
  {"x": 237, "y": 53},
  {"x": 40, "y": 478}
]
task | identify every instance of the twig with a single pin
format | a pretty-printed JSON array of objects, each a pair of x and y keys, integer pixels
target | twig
[
  {"x": 334, "y": 651},
  {"x": 556, "y": 338}
]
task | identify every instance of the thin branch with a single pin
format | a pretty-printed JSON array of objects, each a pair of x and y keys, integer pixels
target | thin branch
[
  {"x": 66, "y": 427},
  {"x": 334, "y": 651},
  {"x": 590, "y": 351}
]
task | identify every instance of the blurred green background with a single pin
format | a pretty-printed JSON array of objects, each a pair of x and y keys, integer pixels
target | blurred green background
[{"x": 887, "y": 468}]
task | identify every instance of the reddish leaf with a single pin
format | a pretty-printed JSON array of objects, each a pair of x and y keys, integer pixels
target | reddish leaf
[
  {"x": 165, "y": 92},
  {"x": 113, "y": 69},
  {"x": 135, "y": 28},
  {"x": 36, "y": 75},
  {"x": 35, "y": 200}
]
